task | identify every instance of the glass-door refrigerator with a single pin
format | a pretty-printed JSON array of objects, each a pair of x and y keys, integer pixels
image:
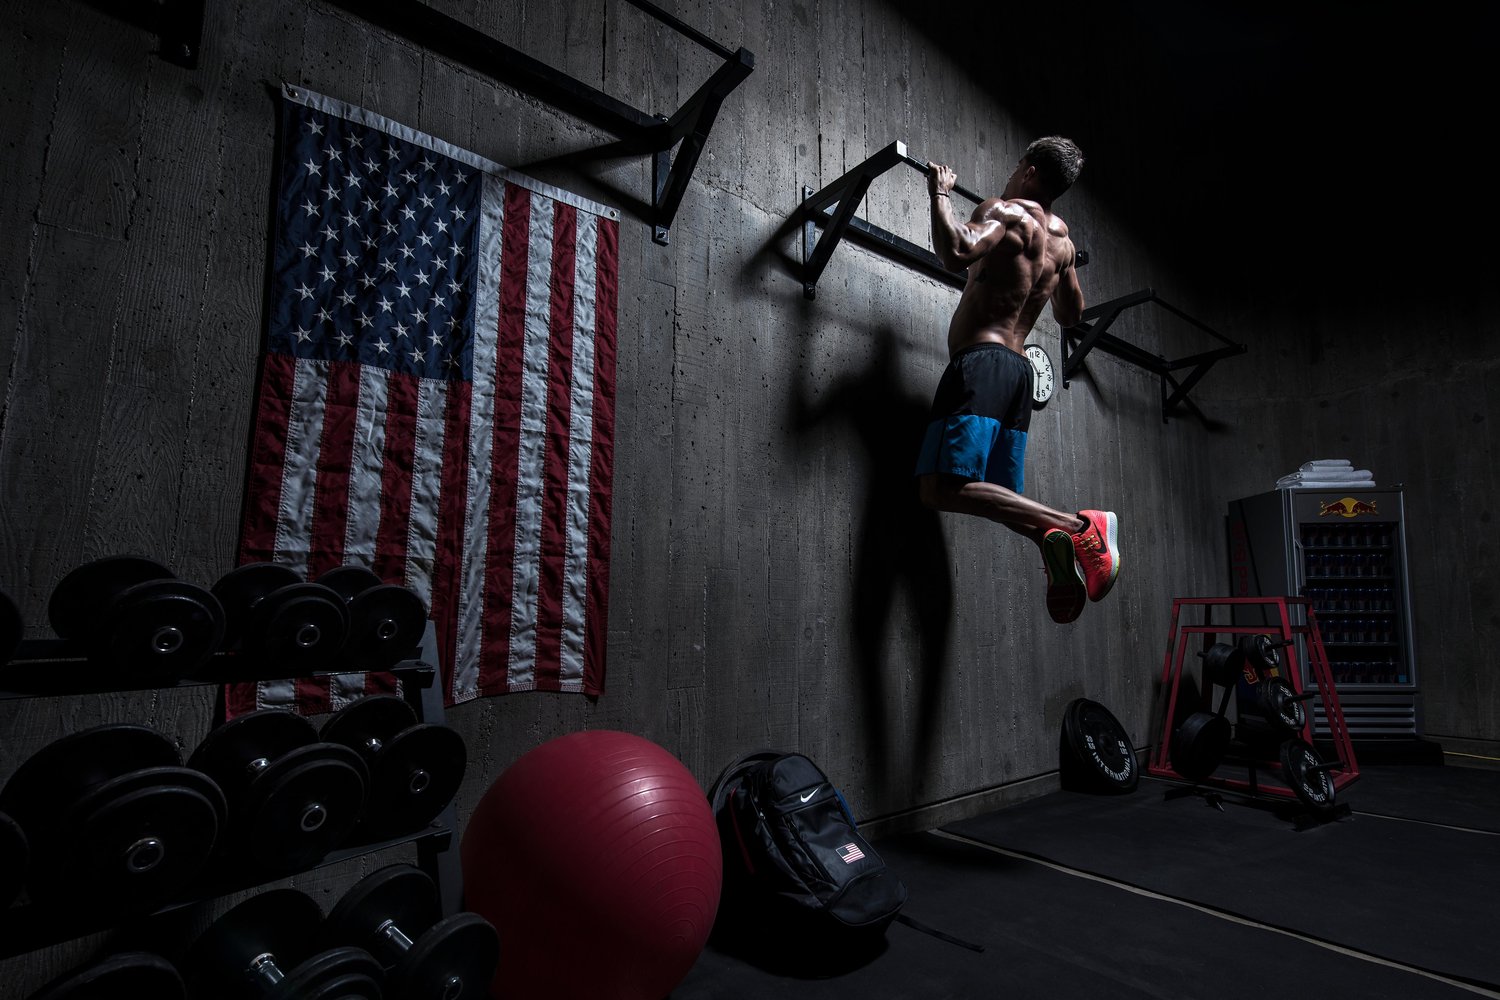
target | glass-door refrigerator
[{"x": 1345, "y": 551}]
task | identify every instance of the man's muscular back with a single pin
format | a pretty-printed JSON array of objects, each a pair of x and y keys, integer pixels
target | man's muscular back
[{"x": 1026, "y": 260}]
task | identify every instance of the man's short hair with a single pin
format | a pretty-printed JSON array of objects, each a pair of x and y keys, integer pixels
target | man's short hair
[{"x": 1057, "y": 161}]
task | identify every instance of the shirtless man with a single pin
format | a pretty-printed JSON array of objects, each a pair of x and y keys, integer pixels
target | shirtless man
[{"x": 1019, "y": 258}]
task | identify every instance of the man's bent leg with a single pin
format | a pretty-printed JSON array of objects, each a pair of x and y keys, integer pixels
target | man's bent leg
[{"x": 998, "y": 504}]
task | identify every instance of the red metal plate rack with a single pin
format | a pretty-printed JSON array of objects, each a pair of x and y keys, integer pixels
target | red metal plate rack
[{"x": 1295, "y": 617}]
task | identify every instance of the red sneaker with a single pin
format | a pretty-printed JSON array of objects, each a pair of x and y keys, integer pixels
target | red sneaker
[
  {"x": 1066, "y": 594},
  {"x": 1098, "y": 551}
]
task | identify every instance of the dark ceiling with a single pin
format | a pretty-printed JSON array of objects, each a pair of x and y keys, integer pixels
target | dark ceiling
[{"x": 1325, "y": 140}]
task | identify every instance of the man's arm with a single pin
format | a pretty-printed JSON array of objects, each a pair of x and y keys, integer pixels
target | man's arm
[
  {"x": 1067, "y": 297},
  {"x": 958, "y": 246}
]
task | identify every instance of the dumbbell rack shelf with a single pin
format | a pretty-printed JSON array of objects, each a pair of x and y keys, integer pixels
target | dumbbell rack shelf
[
  {"x": 1292, "y": 616},
  {"x": 28, "y": 926}
]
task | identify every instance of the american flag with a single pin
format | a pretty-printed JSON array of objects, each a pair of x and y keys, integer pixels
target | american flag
[
  {"x": 436, "y": 400},
  {"x": 850, "y": 853}
]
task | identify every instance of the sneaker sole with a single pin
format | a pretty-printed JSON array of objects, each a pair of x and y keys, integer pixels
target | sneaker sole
[{"x": 1066, "y": 594}]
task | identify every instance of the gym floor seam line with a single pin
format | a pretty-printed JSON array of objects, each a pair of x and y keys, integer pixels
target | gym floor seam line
[
  {"x": 1469, "y": 986},
  {"x": 1426, "y": 822}
]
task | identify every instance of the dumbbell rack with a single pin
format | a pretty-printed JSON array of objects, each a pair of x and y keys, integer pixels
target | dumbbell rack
[
  {"x": 26, "y": 926},
  {"x": 1294, "y": 616}
]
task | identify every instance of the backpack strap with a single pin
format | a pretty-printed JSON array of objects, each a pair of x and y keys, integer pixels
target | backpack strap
[{"x": 916, "y": 925}]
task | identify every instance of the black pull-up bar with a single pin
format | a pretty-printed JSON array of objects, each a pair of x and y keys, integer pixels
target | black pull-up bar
[
  {"x": 833, "y": 209},
  {"x": 1091, "y": 332},
  {"x": 921, "y": 165},
  {"x": 685, "y": 30},
  {"x": 638, "y": 130}
]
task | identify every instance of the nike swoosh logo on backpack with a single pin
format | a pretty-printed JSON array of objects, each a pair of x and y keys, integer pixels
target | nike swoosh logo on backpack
[{"x": 809, "y": 795}]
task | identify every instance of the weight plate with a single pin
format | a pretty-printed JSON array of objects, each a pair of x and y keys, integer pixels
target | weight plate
[
  {"x": 1302, "y": 770},
  {"x": 159, "y": 632},
  {"x": 414, "y": 778},
  {"x": 230, "y": 753},
  {"x": 281, "y": 923},
  {"x": 304, "y": 805},
  {"x": 62, "y": 771},
  {"x": 128, "y": 974},
  {"x": 336, "y": 974},
  {"x": 385, "y": 625},
  {"x": 1222, "y": 664},
  {"x": 375, "y": 717},
  {"x": 12, "y": 629},
  {"x": 1278, "y": 701},
  {"x": 78, "y": 596},
  {"x": 1097, "y": 753},
  {"x": 15, "y": 854},
  {"x": 242, "y": 587},
  {"x": 1263, "y": 650},
  {"x": 300, "y": 627},
  {"x": 348, "y": 581},
  {"x": 455, "y": 960},
  {"x": 134, "y": 849},
  {"x": 402, "y": 894},
  {"x": 1198, "y": 745}
]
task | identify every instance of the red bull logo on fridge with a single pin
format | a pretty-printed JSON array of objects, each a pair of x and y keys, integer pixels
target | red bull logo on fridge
[{"x": 1347, "y": 507}]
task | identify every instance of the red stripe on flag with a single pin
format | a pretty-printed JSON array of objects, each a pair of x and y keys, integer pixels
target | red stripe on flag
[
  {"x": 331, "y": 501},
  {"x": 267, "y": 455},
  {"x": 313, "y": 696},
  {"x": 395, "y": 477},
  {"x": 448, "y": 563},
  {"x": 240, "y": 699},
  {"x": 555, "y": 500},
  {"x": 505, "y": 446},
  {"x": 606, "y": 297}
]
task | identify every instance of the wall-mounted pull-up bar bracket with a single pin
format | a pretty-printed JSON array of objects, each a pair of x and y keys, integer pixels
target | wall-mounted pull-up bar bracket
[
  {"x": 832, "y": 208},
  {"x": 1092, "y": 332},
  {"x": 178, "y": 24},
  {"x": 638, "y": 131}
]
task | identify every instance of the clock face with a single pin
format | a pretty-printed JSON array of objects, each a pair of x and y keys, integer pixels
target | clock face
[{"x": 1041, "y": 366}]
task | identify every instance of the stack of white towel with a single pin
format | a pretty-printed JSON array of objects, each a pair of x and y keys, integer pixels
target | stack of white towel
[{"x": 1325, "y": 473}]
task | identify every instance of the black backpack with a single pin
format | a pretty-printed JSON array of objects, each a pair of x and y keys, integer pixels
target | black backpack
[{"x": 796, "y": 870}]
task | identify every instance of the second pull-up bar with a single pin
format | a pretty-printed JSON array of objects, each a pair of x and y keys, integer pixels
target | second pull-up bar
[{"x": 832, "y": 208}]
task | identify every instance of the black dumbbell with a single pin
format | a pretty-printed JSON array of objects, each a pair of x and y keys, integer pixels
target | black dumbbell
[
  {"x": 132, "y": 614},
  {"x": 292, "y": 798},
  {"x": 126, "y": 974},
  {"x": 395, "y": 914},
  {"x": 386, "y": 620},
  {"x": 264, "y": 949},
  {"x": 284, "y": 625},
  {"x": 113, "y": 817},
  {"x": 415, "y": 768},
  {"x": 15, "y": 854}
]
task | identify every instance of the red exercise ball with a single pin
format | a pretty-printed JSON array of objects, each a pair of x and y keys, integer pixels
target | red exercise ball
[{"x": 597, "y": 859}]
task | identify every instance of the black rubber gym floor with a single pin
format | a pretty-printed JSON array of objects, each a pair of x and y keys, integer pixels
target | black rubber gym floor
[{"x": 1163, "y": 895}]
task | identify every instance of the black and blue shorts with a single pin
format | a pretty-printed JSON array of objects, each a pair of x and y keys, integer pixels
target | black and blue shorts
[{"x": 979, "y": 419}]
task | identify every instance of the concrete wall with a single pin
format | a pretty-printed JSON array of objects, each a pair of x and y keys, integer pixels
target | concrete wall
[{"x": 774, "y": 582}]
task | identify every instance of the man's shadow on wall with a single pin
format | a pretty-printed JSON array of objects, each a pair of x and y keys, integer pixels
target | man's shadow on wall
[{"x": 900, "y": 549}]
